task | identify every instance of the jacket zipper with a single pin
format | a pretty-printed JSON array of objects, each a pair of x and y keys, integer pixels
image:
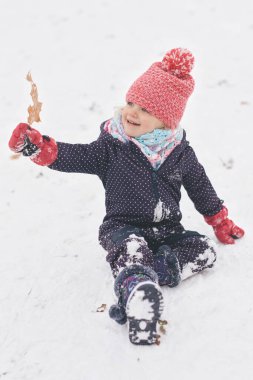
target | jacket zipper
[
  {"x": 153, "y": 174},
  {"x": 155, "y": 186}
]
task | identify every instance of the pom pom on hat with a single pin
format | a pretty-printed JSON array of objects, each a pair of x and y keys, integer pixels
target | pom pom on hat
[{"x": 178, "y": 62}]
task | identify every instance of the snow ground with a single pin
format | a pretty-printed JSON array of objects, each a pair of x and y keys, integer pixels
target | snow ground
[{"x": 83, "y": 56}]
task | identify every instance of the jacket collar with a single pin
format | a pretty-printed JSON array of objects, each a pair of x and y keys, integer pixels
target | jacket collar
[{"x": 133, "y": 149}]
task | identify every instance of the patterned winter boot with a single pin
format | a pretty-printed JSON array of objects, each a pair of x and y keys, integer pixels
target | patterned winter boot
[
  {"x": 167, "y": 267},
  {"x": 140, "y": 303}
]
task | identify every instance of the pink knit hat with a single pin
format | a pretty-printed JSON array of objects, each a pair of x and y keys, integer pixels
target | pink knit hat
[{"x": 163, "y": 90}]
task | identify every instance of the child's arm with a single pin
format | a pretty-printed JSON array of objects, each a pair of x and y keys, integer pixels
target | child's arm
[
  {"x": 206, "y": 201},
  {"x": 198, "y": 185},
  {"x": 44, "y": 151}
]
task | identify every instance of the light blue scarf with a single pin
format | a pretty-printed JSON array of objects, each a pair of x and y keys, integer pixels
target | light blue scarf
[{"x": 156, "y": 145}]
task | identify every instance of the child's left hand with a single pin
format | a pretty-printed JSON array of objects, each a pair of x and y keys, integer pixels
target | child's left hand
[{"x": 225, "y": 229}]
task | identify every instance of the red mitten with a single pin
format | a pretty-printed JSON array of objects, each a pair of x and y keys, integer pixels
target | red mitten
[
  {"x": 225, "y": 229},
  {"x": 42, "y": 150},
  {"x": 18, "y": 138}
]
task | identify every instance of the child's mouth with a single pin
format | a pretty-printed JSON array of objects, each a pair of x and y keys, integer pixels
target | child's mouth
[{"x": 133, "y": 123}]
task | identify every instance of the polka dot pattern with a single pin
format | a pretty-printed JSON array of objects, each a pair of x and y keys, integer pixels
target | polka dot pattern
[
  {"x": 135, "y": 193},
  {"x": 130, "y": 245}
]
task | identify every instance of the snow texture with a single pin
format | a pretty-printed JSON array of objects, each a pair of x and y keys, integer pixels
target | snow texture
[
  {"x": 161, "y": 212},
  {"x": 83, "y": 56},
  {"x": 139, "y": 307},
  {"x": 133, "y": 245}
]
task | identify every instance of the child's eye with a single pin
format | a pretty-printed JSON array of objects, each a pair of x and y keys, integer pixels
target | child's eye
[
  {"x": 129, "y": 104},
  {"x": 144, "y": 110}
]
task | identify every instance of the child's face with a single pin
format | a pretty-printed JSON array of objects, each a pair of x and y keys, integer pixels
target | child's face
[{"x": 137, "y": 121}]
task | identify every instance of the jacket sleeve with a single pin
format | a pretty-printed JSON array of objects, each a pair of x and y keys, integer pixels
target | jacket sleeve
[
  {"x": 82, "y": 158},
  {"x": 198, "y": 185}
]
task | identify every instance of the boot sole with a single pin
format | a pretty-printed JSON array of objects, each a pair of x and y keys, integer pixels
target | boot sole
[{"x": 144, "y": 308}]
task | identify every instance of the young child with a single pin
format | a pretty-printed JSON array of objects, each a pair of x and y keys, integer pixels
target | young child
[{"x": 143, "y": 158}]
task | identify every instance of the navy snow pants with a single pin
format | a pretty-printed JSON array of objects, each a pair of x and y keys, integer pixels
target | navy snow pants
[{"x": 127, "y": 244}]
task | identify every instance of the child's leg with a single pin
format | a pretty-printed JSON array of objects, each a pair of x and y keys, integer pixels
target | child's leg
[
  {"x": 136, "y": 284},
  {"x": 181, "y": 255},
  {"x": 195, "y": 253},
  {"x": 126, "y": 246}
]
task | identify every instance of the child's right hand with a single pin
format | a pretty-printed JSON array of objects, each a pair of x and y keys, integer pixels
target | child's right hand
[
  {"x": 24, "y": 136},
  {"x": 28, "y": 141}
]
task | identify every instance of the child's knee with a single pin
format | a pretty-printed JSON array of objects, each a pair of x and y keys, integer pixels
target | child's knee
[
  {"x": 120, "y": 235},
  {"x": 114, "y": 242},
  {"x": 135, "y": 250},
  {"x": 132, "y": 250}
]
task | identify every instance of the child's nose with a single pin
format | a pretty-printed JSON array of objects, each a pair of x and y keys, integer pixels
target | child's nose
[{"x": 134, "y": 111}]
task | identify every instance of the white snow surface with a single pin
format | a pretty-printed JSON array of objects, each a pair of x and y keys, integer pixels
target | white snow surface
[{"x": 83, "y": 56}]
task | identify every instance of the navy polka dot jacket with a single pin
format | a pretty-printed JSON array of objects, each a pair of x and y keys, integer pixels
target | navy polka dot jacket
[{"x": 135, "y": 193}]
